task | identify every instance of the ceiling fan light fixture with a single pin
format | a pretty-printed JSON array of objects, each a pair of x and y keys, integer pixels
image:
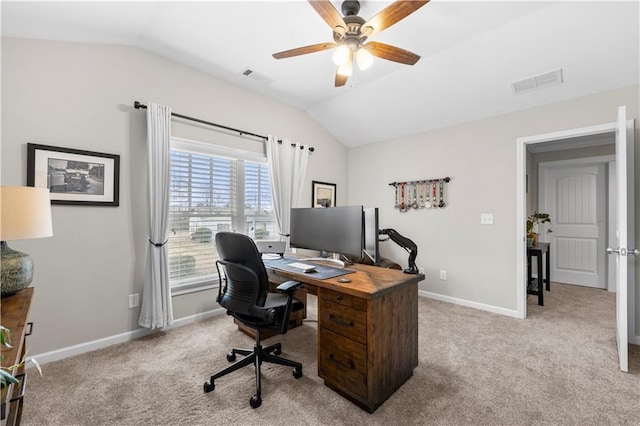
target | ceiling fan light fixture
[
  {"x": 351, "y": 31},
  {"x": 341, "y": 55},
  {"x": 346, "y": 69},
  {"x": 364, "y": 58}
]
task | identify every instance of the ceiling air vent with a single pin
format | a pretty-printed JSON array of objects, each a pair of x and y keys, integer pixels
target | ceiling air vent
[
  {"x": 538, "y": 81},
  {"x": 263, "y": 79}
]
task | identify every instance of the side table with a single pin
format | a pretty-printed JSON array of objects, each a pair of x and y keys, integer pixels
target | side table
[{"x": 535, "y": 286}]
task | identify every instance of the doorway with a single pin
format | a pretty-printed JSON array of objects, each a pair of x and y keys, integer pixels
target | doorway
[
  {"x": 555, "y": 146},
  {"x": 622, "y": 129}
]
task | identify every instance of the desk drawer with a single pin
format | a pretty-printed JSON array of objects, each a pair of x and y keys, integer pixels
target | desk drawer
[
  {"x": 343, "y": 362},
  {"x": 344, "y": 320},
  {"x": 343, "y": 299}
]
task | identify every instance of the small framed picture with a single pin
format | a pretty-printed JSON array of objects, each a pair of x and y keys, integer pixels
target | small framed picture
[
  {"x": 323, "y": 194},
  {"x": 74, "y": 177}
]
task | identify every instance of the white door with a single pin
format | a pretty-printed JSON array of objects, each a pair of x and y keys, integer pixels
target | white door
[
  {"x": 574, "y": 196},
  {"x": 624, "y": 264}
]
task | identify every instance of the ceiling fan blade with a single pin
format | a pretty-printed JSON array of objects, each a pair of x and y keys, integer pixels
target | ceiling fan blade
[
  {"x": 392, "y": 53},
  {"x": 391, "y": 14},
  {"x": 341, "y": 80},
  {"x": 330, "y": 15},
  {"x": 312, "y": 48}
]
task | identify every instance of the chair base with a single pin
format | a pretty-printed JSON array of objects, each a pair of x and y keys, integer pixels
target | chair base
[{"x": 256, "y": 356}]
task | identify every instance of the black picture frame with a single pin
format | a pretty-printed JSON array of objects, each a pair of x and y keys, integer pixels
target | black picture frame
[
  {"x": 73, "y": 176},
  {"x": 323, "y": 194}
]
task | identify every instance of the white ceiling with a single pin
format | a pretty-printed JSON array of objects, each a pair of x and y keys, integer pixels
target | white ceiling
[{"x": 471, "y": 53}]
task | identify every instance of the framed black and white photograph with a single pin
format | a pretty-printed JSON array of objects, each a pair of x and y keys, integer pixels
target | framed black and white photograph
[
  {"x": 323, "y": 194},
  {"x": 73, "y": 176}
]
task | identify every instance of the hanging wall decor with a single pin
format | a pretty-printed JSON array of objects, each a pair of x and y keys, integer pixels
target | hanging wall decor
[
  {"x": 73, "y": 176},
  {"x": 420, "y": 194},
  {"x": 323, "y": 194}
]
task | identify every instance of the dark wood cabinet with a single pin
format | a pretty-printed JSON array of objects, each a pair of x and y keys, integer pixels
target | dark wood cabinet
[
  {"x": 15, "y": 313},
  {"x": 367, "y": 331}
]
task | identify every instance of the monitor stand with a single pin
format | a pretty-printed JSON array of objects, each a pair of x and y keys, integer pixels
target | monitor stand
[{"x": 335, "y": 260}]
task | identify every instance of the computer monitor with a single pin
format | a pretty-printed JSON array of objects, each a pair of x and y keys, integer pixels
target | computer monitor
[
  {"x": 371, "y": 247},
  {"x": 331, "y": 229}
]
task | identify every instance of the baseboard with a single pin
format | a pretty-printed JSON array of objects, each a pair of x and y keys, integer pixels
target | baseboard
[
  {"x": 481, "y": 306},
  {"x": 58, "y": 354}
]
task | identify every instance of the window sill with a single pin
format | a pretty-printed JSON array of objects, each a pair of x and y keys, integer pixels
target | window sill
[{"x": 180, "y": 290}]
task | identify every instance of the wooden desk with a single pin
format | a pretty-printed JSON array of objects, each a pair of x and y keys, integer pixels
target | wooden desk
[
  {"x": 367, "y": 331},
  {"x": 15, "y": 311},
  {"x": 535, "y": 286}
]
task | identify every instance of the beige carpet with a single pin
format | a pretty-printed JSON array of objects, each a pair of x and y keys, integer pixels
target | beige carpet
[{"x": 557, "y": 367}]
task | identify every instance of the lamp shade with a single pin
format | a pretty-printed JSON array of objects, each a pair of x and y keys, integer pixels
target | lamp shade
[
  {"x": 26, "y": 213},
  {"x": 341, "y": 55},
  {"x": 364, "y": 59},
  {"x": 346, "y": 69}
]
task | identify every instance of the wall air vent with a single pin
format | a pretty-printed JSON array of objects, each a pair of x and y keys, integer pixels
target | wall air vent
[{"x": 538, "y": 81}]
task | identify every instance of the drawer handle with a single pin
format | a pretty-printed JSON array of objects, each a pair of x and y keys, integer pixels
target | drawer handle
[
  {"x": 339, "y": 297},
  {"x": 349, "y": 365},
  {"x": 23, "y": 387},
  {"x": 339, "y": 321}
]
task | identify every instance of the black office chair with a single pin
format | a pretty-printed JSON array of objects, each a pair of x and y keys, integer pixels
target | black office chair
[{"x": 245, "y": 297}]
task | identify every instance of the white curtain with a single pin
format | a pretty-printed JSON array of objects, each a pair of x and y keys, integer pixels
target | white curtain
[
  {"x": 156, "y": 311},
  {"x": 287, "y": 167}
]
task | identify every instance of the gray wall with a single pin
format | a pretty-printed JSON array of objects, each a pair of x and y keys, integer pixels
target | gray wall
[
  {"x": 480, "y": 158},
  {"x": 81, "y": 96}
]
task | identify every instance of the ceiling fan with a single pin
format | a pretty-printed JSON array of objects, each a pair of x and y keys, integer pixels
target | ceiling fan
[{"x": 351, "y": 32}]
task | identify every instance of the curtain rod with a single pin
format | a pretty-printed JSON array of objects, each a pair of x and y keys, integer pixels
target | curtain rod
[{"x": 138, "y": 105}]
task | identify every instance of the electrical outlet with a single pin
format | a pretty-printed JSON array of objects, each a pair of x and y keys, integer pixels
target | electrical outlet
[
  {"x": 134, "y": 300},
  {"x": 443, "y": 275},
  {"x": 421, "y": 270}
]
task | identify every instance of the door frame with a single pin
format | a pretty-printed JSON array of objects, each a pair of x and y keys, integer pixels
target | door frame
[
  {"x": 601, "y": 160},
  {"x": 521, "y": 199}
]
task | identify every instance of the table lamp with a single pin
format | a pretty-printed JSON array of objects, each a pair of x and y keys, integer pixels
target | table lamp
[{"x": 25, "y": 213}]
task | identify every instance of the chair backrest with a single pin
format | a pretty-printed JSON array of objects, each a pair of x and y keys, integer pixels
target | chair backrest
[{"x": 247, "y": 280}]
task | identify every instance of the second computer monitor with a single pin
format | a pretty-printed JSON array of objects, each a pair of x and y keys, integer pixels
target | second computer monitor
[{"x": 371, "y": 247}]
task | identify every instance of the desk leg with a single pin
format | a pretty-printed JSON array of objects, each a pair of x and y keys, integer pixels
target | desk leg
[
  {"x": 540, "y": 281},
  {"x": 547, "y": 265}
]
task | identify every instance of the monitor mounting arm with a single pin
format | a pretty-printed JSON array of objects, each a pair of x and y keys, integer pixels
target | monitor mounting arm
[{"x": 406, "y": 244}]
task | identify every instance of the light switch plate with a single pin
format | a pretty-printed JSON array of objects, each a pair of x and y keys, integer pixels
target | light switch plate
[{"x": 486, "y": 218}]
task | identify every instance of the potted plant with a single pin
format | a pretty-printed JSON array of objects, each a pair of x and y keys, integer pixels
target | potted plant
[{"x": 532, "y": 226}]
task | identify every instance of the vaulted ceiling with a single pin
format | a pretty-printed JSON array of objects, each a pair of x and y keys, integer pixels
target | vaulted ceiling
[{"x": 471, "y": 53}]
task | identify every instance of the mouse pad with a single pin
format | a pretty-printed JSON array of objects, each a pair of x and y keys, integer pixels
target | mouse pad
[{"x": 322, "y": 271}]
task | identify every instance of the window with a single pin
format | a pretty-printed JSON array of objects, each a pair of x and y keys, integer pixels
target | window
[{"x": 213, "y": 189}]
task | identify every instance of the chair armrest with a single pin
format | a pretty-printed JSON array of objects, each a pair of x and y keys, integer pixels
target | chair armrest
[{"x": 288, "y": 286}]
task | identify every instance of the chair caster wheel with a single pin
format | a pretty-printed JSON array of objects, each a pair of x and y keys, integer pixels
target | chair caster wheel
[
  {"x": 277, "y": 351},
  {"x": 208, "y": 387},
  {"x": 231, "y": 357},
  {"x": 255, "y": 401},
  {"x": 297, "y": 372}
]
